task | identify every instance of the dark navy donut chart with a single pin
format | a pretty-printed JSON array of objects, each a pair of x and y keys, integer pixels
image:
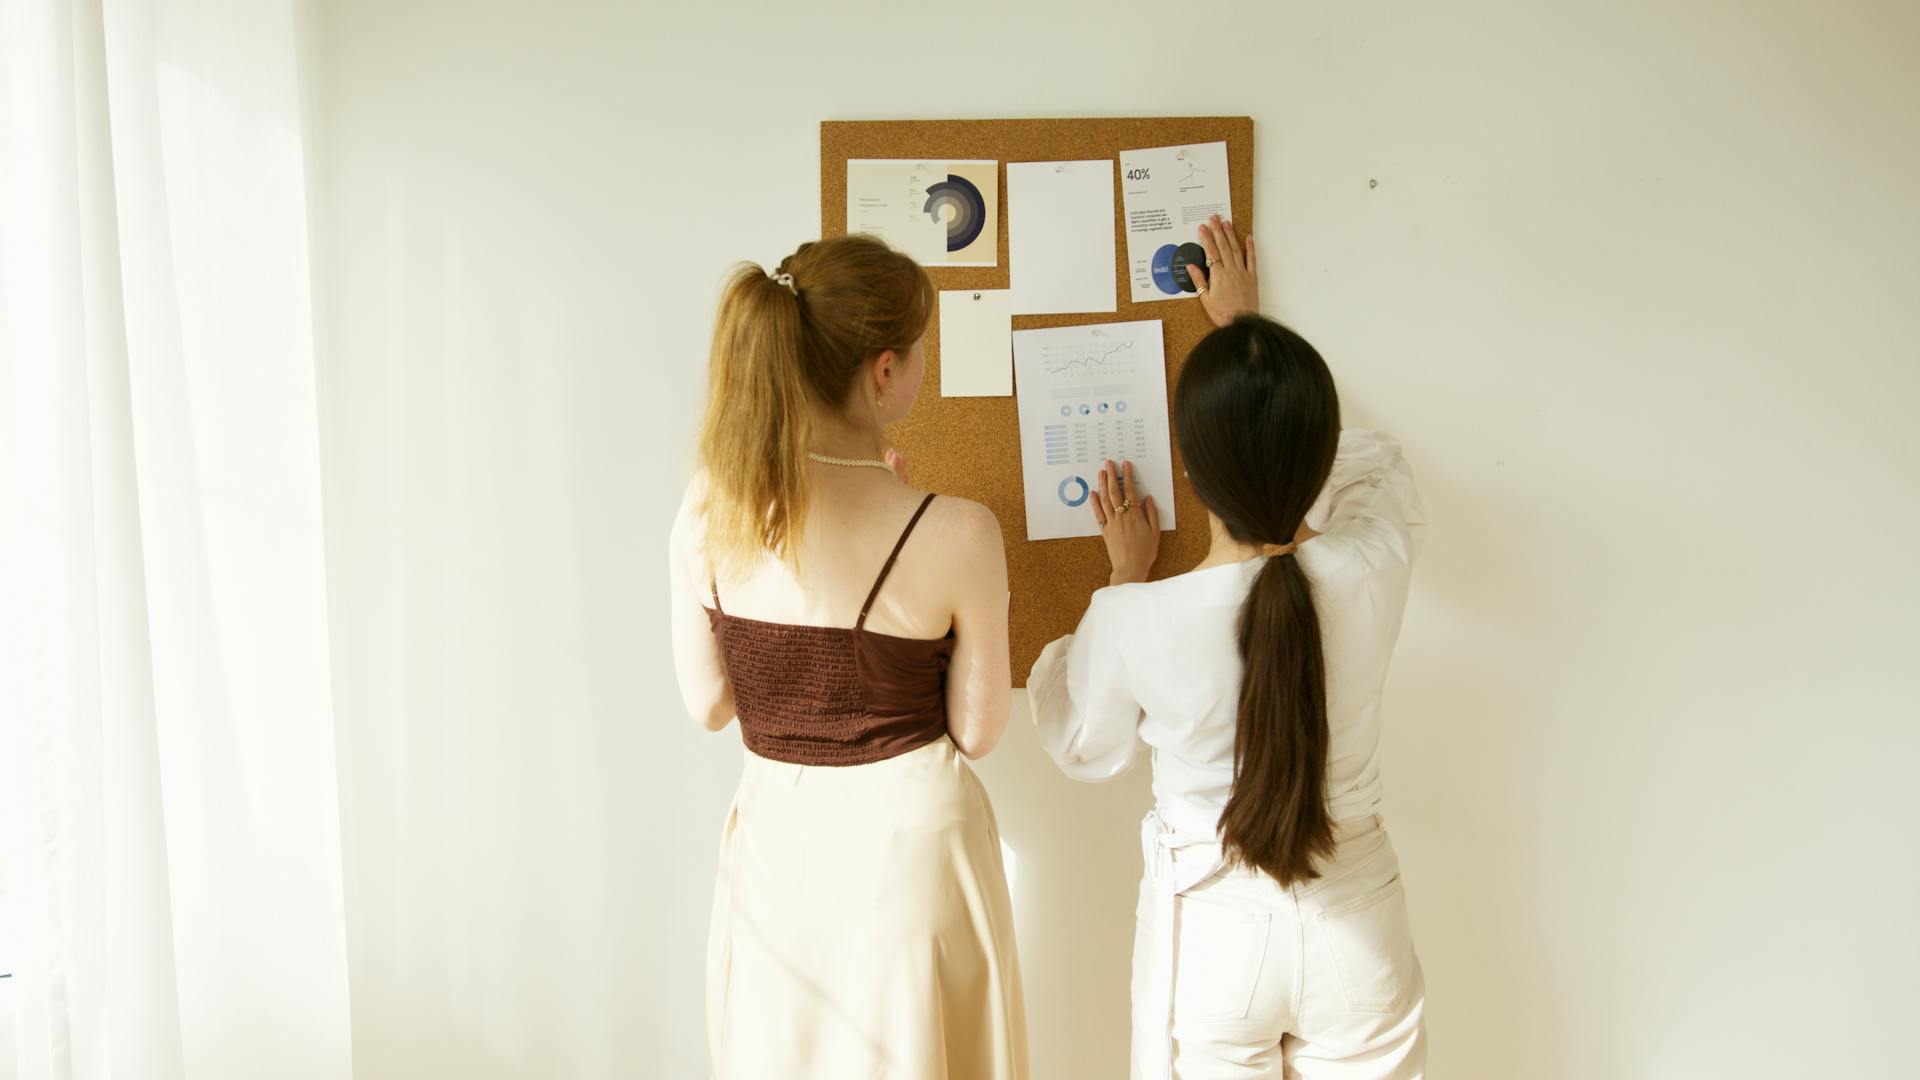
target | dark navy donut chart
[
  {"x": 1183, "y": 256},
  {"x": 1080, "y": 489},
  {"x": 1162, "y": 268},
  {"x": 969, "y": 210}
]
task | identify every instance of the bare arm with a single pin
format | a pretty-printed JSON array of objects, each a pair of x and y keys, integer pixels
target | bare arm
[
  {"x": 979, "y": 681},
  {"x": 704, "y": 688}
]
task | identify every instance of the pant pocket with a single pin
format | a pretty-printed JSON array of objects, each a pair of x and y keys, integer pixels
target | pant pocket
[
  {"x": 1217, "y": 960},
  {"x": 1372, "y": 948}
]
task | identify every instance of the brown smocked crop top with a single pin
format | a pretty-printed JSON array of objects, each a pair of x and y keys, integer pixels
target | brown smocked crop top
[{"x": 830, "y": 695}]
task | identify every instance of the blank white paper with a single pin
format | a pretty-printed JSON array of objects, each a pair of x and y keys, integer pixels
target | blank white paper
[
  {"x": 1060, "y": 236},
  {"x": 976, "y": 343}
]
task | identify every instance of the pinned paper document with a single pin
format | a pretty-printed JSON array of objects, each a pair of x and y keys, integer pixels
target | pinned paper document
[
  {"x": 976, "y": 343},
  {"x": 1060, "y": 236},
  {"x": 1089, "y": 395},
  {"x": 1166, "y": 193},
  {"x": 942, "y": 213}
]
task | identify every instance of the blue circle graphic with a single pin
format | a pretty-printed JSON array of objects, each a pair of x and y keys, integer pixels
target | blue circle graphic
[
  {"x": 1119, "y": 406},
  {"x": 1073, "y": 482},
  {"x": 1162, "y": 267}
]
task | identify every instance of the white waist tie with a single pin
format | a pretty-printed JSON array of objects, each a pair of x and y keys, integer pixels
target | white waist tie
[{"x": 1158, "y": 842}]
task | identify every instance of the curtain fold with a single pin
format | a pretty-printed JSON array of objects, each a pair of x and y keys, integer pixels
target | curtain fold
[{"x": 170, "y": 859}]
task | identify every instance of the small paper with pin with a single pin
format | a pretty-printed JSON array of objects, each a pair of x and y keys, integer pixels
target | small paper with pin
[{"x": 976, "y": 343}]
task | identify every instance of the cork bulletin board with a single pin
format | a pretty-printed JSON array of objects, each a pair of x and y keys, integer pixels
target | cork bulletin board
[{"x": 970, "y": 446}]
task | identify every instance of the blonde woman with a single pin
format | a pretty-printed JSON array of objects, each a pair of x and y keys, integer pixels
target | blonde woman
[{"x": 857, "y": 629}]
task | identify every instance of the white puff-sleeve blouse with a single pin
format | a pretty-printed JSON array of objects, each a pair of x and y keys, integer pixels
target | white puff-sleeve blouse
[{"x": 1158, "y": 662}]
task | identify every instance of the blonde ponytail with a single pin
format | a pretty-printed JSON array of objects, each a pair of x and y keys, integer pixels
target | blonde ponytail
[
  {"x": 784, "y": 345},
  {"x": 754, "y": 439}
]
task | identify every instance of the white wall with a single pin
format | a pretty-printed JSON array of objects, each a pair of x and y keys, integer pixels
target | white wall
[{"x": 1636, "y": 287}]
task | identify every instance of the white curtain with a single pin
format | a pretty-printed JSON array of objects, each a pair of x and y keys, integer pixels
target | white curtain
[{"x": 171, "y": 897}]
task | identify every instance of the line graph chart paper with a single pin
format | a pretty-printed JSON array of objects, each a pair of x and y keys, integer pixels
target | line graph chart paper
[
  {"x": 1087, "y": 395},
  {"x": 1096, "y": 355}
]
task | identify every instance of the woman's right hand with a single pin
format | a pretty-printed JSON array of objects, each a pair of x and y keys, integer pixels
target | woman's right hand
[
  {"x": 1130, "y": 526},
  {"x": 1230, "y": 283}
]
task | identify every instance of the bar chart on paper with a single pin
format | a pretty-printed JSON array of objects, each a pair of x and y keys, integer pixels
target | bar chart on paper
[{"x": 1087, "y": 395}]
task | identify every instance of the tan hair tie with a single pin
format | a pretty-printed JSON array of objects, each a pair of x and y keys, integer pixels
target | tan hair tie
[{"x": 1271, "y": 550}]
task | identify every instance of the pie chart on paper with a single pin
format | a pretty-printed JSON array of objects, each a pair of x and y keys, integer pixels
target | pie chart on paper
[
  {"x": 1074, "y": 491},
  {"x": 959, "y": 204}
]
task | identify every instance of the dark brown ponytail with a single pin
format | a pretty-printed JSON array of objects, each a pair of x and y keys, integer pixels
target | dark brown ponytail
[{"x": 1258, "y": 422}]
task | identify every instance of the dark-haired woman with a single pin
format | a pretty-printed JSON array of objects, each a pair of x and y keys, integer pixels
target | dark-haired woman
[
  {"x": 1272, "y": 936},
  {"x": 857, "y": 629}
]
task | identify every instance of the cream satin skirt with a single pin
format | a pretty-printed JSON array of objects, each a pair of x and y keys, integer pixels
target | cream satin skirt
[{"x": 861, "y": 926}]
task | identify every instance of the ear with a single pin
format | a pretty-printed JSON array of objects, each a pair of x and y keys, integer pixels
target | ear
[{"x": 883, "y": 364}]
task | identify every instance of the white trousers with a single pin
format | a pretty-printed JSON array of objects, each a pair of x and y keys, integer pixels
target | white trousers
[{"x": 1314, "y": 982}]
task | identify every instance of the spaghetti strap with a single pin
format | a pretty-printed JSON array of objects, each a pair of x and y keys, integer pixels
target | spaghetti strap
[
  {"x": 713, "y": 584},
  {"x": 888, "y": 568}
]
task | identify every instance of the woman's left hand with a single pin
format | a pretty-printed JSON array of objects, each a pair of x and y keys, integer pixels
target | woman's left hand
[{"x": 1130, "y": 527}]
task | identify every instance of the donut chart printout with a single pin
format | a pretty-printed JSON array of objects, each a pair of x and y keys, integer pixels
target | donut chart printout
[
  {"x": 942, "y": 213},
  {"x": 1088, "y": 394},
  {"x": 1166, "y": 193}
]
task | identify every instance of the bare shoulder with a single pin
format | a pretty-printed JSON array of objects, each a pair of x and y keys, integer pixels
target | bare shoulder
[{"x": 963, "y": 529}]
